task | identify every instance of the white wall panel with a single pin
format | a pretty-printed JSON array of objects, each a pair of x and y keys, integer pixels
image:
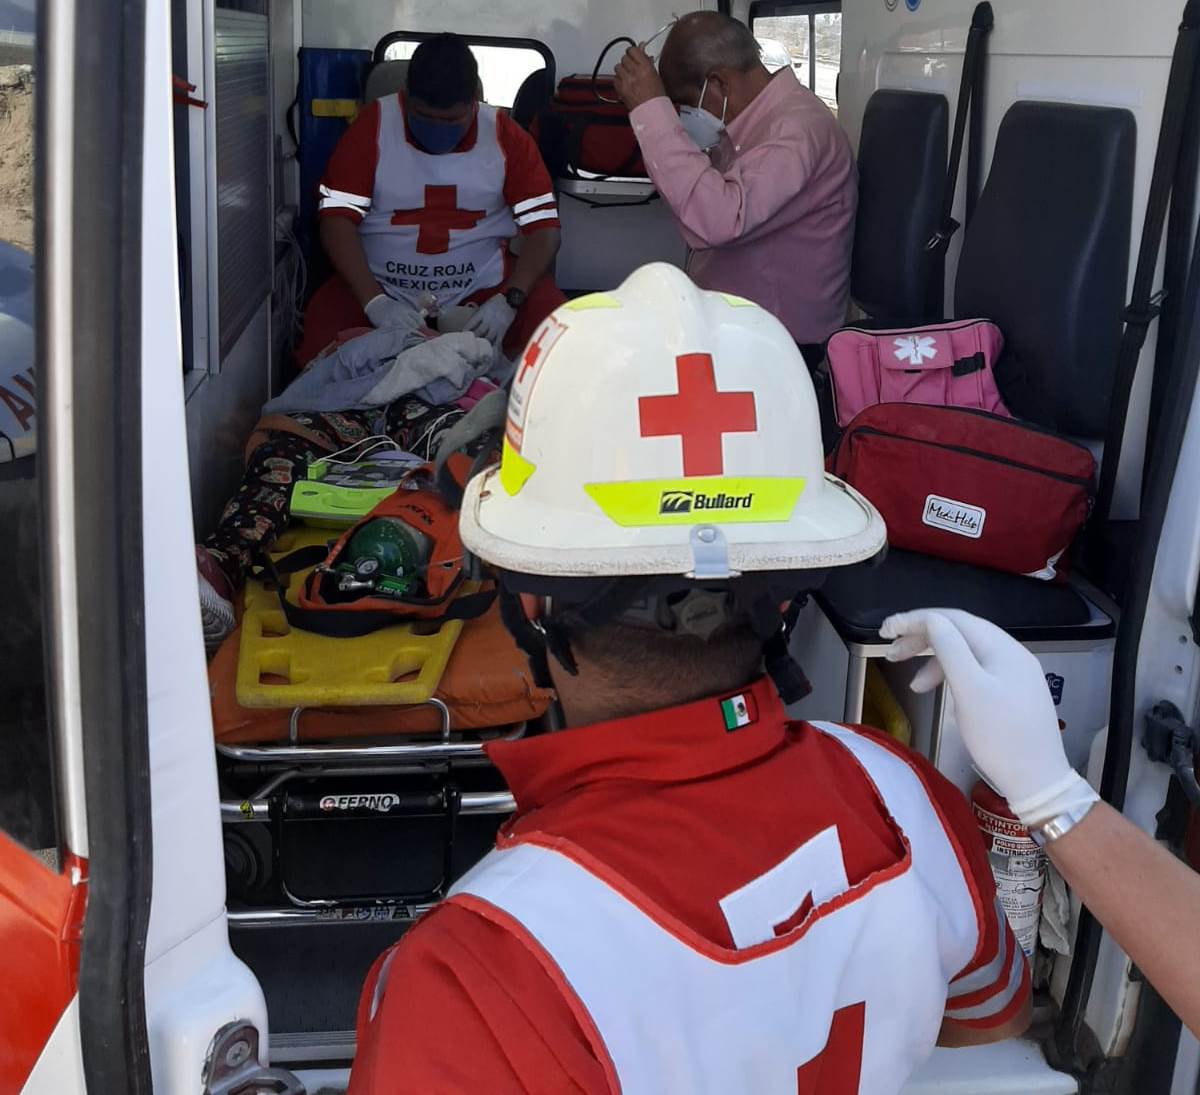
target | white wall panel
[
  {"x": 220, "y": 414},
  {"x": 575, "y": 30}
]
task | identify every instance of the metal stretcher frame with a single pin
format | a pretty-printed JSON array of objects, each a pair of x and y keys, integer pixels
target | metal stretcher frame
[{"x": 296, "y": 761}]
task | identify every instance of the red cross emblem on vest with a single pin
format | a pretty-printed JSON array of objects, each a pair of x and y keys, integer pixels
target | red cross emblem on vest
[
  {"x": 439, "y": 215},
  {"x": 699, "y": 415}
]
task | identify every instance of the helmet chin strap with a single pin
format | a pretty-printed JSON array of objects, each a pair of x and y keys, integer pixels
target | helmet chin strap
[
  {"x": 548, "y": 636},
  {"x": 536, "y": 640}
]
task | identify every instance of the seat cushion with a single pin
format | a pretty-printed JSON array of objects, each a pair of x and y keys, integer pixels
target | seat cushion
[{"x": 858, "y": 599}]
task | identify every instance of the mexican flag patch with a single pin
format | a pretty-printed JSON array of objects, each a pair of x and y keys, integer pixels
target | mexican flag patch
[{"x": 739, "y": 711}]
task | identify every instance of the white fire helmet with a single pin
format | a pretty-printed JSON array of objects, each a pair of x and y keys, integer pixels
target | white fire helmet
[{"x": 660, "y": 429}]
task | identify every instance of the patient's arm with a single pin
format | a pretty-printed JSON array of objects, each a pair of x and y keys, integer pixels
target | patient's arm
[{"x": 339, "y": 237}]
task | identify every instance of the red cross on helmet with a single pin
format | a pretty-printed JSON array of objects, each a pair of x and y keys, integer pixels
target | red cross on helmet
[{"x": 660, "y": 429}]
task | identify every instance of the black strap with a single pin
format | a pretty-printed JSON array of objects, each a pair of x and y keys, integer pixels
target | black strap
[
  {"x": 595, "y": 83},
  {"x": 970, "y": 97},
  {"x": 340, "y": 624},
  {"x": 300, "y": 559},
  {"x": 978, "y": 65},
  {"x": 1176, "y": 258},
  {"x": 1144, "y": 303},
  {"x": 350, "y": 625},
  {"x": 653, "y": 196}
]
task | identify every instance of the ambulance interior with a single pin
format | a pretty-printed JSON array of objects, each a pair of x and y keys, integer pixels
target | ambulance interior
[{"x": 336, "y": 837}]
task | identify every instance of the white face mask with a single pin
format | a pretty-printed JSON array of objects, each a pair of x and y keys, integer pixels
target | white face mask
[{"x": 704, "y": 127}]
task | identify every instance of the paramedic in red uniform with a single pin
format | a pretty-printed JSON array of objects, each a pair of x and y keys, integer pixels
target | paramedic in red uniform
[
  {"x": 422, "y": 195},
  {"x": 755, "y": 168},
  {"x": 695, "y": 894}
]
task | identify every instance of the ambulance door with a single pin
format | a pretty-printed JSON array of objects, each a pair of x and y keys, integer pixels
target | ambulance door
[
  {"x": 205, "y": 1015},
  {"x": 118, "y": 971},
  {"x": 43, "y": 828},
  {"x": 1146, "y": 763},
  {"x": 74, "y": 845}
]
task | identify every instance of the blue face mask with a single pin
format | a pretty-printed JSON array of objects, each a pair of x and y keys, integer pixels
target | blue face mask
[{"x": 437, "y": 138}]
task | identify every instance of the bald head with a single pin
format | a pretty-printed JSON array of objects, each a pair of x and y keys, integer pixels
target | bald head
[{"x": 703, "y": 43}]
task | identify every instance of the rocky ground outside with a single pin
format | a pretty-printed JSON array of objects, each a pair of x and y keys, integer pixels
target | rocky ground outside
[{"x": 16, "y": 155}]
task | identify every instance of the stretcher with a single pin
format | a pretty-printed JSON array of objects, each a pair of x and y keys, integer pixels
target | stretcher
[
  {"x": 366, "y": 812},
  {"x": 283, "y": 666}
]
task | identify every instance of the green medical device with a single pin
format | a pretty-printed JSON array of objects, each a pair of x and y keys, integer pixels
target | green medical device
[{"x": 337, "y": 495}]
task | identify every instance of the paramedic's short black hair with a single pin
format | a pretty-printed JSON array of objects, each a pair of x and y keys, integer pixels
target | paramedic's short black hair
[
  {"x": 652, "y": 669},
  {"x": 443, "y": 72}
]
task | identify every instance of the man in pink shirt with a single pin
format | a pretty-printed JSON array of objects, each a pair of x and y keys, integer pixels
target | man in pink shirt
[{"x": 754, "y": 167}]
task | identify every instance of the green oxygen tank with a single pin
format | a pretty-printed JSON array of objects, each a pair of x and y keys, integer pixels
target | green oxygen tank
[{"x": 386, "y": 556}]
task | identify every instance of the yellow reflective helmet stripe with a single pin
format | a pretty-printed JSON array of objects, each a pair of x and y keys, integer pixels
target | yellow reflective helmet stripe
[
  {"x": 737, "y": 302},
  {"x": 515, "y": 470},
  {"x": 590, "y": 301},
  {"x": 708, "y": 500}
]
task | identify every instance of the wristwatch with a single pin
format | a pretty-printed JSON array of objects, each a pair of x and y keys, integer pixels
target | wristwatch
[
  {"x": 515, "y": 297},
  {"x": 1056, "y": 827}
]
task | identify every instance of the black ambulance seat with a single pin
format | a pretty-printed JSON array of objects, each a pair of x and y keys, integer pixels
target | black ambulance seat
[
  {"x": 531, "y": 98},
  {"x": 385, "y": 78},
  {"x": 1047, "y": 257},
  {"x": 902, "y": 154},
  {"x": 1047, "y": 252},
  {"x": 1030, "y": 610}
]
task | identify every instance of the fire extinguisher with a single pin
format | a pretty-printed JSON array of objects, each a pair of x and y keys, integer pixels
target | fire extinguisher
[{"x": 1018, "y": 864}]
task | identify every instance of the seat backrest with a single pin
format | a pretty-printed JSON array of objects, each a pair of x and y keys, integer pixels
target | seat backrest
[
  {"x": 533, "y": 94},
  {"x": 385, "y": 78},
  {"x": 1046, "y": 255},
  {"x": 901, "y": 174}
]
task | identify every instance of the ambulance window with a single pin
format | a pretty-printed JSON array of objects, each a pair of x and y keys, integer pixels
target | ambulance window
[
  {"x": 811, "y": 34},
  {"x": 242, "y": 90},
  {"x": 26, "y": 790},
  {"x": 503, "y": 65}
]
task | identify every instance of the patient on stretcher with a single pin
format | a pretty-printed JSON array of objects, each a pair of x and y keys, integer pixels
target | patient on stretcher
[{"x": 383, "y": 388}]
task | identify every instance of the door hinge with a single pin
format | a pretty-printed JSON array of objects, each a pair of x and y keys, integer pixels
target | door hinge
[
  {"x": 1169, "y": 739},
  {"x": 232, "y": 1067}
]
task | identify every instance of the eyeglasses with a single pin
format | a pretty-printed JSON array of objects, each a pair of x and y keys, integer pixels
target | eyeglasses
[{"x": 660, "y": 32}]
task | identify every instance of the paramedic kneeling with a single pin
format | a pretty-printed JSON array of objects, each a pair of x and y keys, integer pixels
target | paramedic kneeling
[
  {"x": 1145, "y": 897},
  {"x": 754, "y": 166},
  {"x": 422, "y": 195},
  {"x": 694, "y": 895}
]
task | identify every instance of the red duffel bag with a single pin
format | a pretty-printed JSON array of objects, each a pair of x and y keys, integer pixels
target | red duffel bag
[
  {"x": 580, "y": 134},
  {"x": 970, "y": 486}
]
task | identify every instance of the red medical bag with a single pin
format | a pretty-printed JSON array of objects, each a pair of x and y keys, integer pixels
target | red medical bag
[
  {"x": 581, "y": 135},
  {"x": 969, "y": 486}
]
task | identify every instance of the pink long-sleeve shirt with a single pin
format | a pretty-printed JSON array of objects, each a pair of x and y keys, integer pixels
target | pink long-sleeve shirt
[{"x": 770, "y": 216}]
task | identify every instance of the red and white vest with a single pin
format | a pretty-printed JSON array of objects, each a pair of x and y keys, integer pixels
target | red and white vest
[
  {"x": 865, "y": 975},
  {"x": 437, "y": 223}
]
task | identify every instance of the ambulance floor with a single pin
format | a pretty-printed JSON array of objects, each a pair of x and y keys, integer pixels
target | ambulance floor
[
  {"x": 312, "y": 973},
  {"x": 1014, "y": 1067}
]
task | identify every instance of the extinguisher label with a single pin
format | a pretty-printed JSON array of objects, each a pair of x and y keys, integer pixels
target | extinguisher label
[{"x": 1019, "y": 867}]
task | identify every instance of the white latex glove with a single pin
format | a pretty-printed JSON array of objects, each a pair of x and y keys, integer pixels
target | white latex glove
[
  {"x": 385, "y": 311},
  {"x": 492, "y": 319},
  {"x": 1003, "y": 705}
]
